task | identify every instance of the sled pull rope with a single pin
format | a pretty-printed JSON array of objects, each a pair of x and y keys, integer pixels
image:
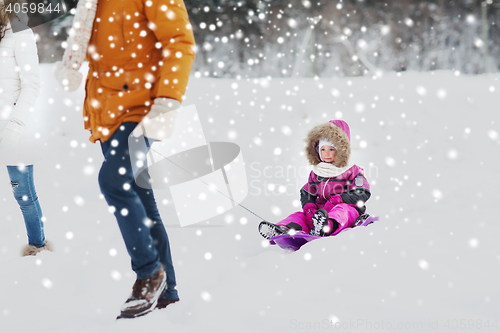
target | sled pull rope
[{"x": 248, "y": 210}]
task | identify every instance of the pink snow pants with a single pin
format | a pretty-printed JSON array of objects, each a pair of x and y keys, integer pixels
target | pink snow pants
[{"x": 344, "y": 214}]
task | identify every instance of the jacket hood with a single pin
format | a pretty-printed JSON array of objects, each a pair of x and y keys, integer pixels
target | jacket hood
[{"x": 336, "y": 131}]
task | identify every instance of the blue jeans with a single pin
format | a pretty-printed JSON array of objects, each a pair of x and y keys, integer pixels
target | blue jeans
[
  {"x": 135, "y": 210},
  {"x": 21, "y": 179}
]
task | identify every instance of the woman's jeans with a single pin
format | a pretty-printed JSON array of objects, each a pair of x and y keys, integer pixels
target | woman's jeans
[
  {"x": 135, "y": 210},
  {"x": 21, "y": 179}
]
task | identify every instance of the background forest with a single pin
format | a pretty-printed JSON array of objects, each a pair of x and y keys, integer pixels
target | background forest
[{"x": 325, "y": 38}]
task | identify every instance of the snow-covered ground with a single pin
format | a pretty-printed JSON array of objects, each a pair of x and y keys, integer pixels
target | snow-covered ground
[{"x": 430, "y": 147}]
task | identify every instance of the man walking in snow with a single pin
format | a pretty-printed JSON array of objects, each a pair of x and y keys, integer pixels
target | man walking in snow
[{"x": 140, "y": 55}]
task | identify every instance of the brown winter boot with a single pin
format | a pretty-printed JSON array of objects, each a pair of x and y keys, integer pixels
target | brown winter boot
[
  {"x": 163, "y": 302},
  {"x": 145, "y": 294},
  {"x": 31, "y": 250}
]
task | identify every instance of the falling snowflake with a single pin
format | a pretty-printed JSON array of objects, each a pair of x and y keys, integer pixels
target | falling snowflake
[
  {"x": 452, "y": 154},
  {"x": 437, "y": 194},
  {"x": 441, "y": 94},
  {"x": 79, "y": 201},
  {"x": 116, "y": 275},
  {"x": 206, "y": 296},
  {"x": 390, "y": 161},
  {"x": 473, "y": 243},
  {"x": 47, "y": 283},
  {"x": 286, "y": 130},
  {"x": 423, "y": 264},
  {"x": 421, "y": 91}
]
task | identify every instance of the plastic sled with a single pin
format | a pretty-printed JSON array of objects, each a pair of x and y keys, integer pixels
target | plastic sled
[{"x": 295, "y": 241}]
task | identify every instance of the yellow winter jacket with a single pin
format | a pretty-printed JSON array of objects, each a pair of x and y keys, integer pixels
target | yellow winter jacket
[{"x": 139, "y": 50}]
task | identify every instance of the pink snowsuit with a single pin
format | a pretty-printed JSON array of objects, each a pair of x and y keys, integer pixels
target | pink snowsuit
[
  {"x": 348, "y": 191},
  {"x": 318, "y": 190}
]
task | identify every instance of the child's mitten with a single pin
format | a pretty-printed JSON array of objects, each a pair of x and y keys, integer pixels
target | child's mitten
[
  {"x": 158, "y": 124},
  {"x": 332, "y": 202},
  {"x": 309, "y": 210}
]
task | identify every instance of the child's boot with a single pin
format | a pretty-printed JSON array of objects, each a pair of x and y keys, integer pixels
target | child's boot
[
  {"x": 322, "y": 225},
  {"x": 269, "y": 230}
]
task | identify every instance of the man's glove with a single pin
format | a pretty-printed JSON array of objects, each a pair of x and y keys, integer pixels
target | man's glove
[{"x": 159, "y": 123}]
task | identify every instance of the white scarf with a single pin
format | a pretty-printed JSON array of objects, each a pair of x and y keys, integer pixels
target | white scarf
[
  {"x": 328, "y": 170},
  {"x": 67, "y": 70}
]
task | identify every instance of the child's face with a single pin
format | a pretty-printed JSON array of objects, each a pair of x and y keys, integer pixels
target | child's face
[{"x": 328, "y": 154}]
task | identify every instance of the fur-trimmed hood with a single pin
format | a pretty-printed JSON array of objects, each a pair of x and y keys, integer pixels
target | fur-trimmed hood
[{"x": 336, "y": 131}]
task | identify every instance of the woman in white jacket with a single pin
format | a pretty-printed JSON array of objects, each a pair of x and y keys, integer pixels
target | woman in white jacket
[{"x": 19, "y": 88}]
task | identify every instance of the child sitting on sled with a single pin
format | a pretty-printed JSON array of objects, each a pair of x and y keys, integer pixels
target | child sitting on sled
[{"x": 336, "y": 192}]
